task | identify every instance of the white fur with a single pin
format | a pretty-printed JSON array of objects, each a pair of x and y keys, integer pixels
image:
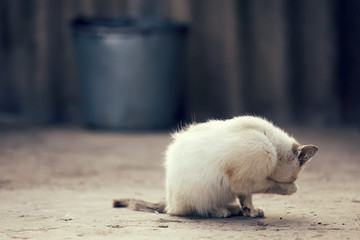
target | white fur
[{"x": 209, "y": 165}]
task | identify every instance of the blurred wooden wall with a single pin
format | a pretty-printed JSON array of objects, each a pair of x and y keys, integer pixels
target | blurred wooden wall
[{"x": 290, "y": 60}]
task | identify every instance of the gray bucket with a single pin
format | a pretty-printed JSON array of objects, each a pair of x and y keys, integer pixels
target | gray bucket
[{"x": 130, "y": 71}]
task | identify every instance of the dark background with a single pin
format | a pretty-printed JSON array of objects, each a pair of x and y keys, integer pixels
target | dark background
[{"x": 293, "y": 61}]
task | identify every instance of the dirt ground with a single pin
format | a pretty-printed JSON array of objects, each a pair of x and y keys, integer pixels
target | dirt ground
[{"x": 59, "y": 183}]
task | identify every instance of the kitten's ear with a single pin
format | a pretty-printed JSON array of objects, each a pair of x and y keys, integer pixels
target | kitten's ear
[{"x": 306, "y": 152}]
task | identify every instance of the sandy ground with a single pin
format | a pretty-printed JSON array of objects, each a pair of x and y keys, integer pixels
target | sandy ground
[{"x": 58, "y": 183}]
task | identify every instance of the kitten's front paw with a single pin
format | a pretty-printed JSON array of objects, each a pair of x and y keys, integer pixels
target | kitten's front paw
[
  {"x": 285, "y": 188},
  {"x": 291, "y": 188},
  {"x": 258, "y": 212}
]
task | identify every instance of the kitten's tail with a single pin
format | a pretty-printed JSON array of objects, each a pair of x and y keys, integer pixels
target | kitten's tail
[{"x": 140, "y": 205}]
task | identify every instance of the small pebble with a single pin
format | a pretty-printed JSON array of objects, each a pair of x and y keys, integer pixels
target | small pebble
[
  {"x": 280, "y": 218},
  {"x": 68, "y": 217},
  {"x": 343, "y": 224},
  {"x": 319, "y": 222}
]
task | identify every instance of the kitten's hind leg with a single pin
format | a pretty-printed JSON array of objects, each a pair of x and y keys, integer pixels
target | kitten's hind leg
[
  {"x": 220, "y": 213},
  {"x": 248, "y": 208},
  {"x": 235, "y": 210}
]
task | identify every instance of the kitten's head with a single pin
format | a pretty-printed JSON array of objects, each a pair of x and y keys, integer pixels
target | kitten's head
[{"x": 291, "y": 162}]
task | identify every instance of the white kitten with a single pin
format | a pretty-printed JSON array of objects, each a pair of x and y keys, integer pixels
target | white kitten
[{"x": 209, "y": 165}]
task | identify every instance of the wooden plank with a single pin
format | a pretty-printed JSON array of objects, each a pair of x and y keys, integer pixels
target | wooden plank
[
  {"x": 21, "y": 26},
  {"x": 54, "y": 53},
  {"x": 85, "y": 7},
  {"x": 178, "y": 10},
  {"x": 349, "y": 60},
  {"x": 37, "y": 104},
  {"x": 8, "y": 97},
  {"x": 319, "y": 103},
  {"x": 233, "y": 64},
  {"x": 70, "y": 89},
  {"x": 110, "y": 7},
  {"x": 266, "y": 82},
  {"x": 144, "y": 8},
  {"x": 118, "y": 7},
  {"x": 295, "y": 57},
  {"x": 209, "y": 76}
]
